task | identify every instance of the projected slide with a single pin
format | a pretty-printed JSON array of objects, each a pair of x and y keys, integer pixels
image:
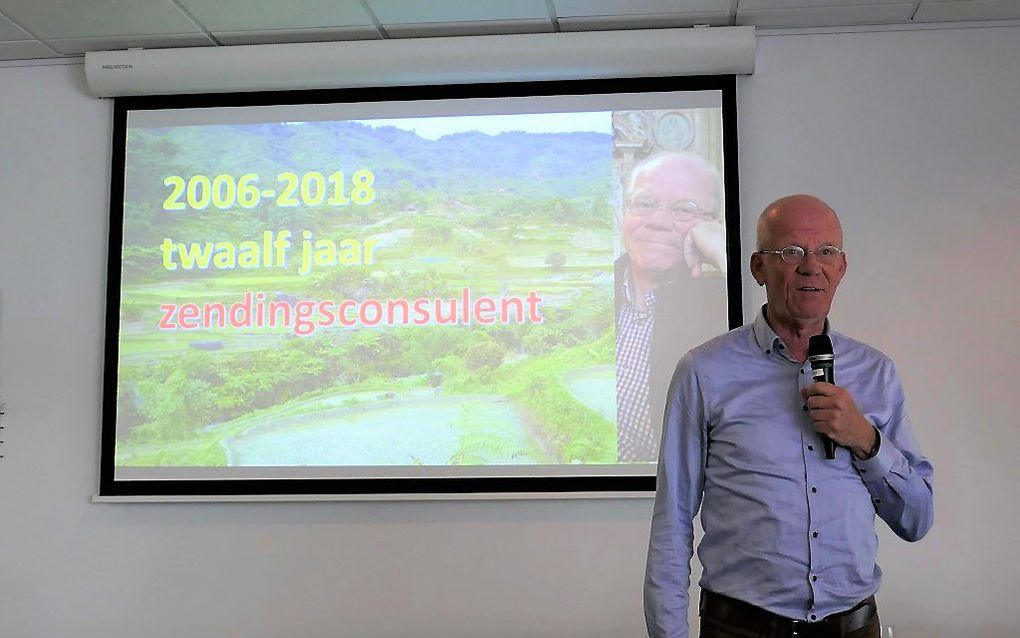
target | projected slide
[{"x": 402, "y": 290}]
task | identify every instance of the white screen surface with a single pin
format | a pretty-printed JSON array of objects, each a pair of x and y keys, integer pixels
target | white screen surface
[{"x": 400, "y": 289}]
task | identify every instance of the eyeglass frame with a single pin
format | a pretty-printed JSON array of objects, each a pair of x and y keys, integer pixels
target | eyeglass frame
[
  {"x": 804, "y": 253},
  {"x": 694, "y": 212}
]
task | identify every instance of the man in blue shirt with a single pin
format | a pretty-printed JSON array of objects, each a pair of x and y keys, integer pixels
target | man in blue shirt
[{"x": 790, "y": 544}]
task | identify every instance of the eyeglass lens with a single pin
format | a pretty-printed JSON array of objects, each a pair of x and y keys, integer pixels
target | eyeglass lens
[
  {"x": 796, "y": 254},
  {"x": 680, "y": 211}
]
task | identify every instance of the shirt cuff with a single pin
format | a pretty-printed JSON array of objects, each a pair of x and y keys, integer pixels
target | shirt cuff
[{"x": 879, "y": 465}]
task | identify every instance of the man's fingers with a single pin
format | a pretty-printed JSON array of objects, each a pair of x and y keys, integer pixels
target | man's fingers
[
  {"x": 821, "y": 388},
  {"x": 710, "y": 240},
  {"x": 691, "y": 255},
  {"x": 818, "y": 402},
  {"x": 822, "y": 415}
]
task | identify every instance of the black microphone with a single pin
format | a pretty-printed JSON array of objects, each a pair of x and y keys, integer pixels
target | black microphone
[{"x": 822, "y": 360}]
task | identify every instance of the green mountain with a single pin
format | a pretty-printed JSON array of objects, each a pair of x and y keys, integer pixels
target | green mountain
[{"x": 538, "y": 165}]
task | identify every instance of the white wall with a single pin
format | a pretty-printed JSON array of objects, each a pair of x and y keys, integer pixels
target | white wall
[{"x": 913, "y": 136}]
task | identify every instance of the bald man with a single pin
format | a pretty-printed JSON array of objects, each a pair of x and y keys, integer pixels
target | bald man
[
  {"x": 790, "y": 544},
  {"x": 672, "y": 229}
]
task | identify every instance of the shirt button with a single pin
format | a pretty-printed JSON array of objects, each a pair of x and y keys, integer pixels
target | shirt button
[
  {"x": 768, "y": 352},
  {"x": 814, "y": 490},
  {"x": 811, "y": 447},
  {"x": 814, "y": 534},
  {"x": 814, "y": 579},
  {"x": 814, "y": 617}
]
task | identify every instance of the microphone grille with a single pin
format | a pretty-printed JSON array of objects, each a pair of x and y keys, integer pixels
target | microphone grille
[{"x": 819, "y": 345}]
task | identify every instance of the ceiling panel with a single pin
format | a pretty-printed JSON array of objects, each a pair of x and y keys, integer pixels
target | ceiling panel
[
  {"x": 53, "y": 28},
  {"x": 10, "y": 31},
  {"x": 485, "y": 27},
  {"x": 283, "y": 36},
  {"x": 828, "y": 16},
  {"x": 930, "y": 11},
  {"x": 433, "y": 11},
  {"x": 651, "y": 21},
  {"x": 78, "y": 46},
  {"x": 97, "y": 18},
  {"x": 25, "y": 50},
  {"x": 266, "y": 15},
  {"x": 746, "y": 5},
  {"x": 577, "y": 8}
]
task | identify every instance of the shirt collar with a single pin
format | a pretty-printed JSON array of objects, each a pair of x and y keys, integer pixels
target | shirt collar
[
  {"x": 628, "y": 294},
  {"x": 766, "y": 337}
]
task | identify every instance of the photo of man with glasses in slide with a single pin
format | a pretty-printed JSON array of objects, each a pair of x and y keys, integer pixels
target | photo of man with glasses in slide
[{"x": 670, "y": 287}]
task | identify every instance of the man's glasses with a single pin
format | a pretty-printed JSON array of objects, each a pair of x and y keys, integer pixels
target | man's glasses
[
  {"x": 795, "y": 254},
  {"x": 679, "y": 211}
]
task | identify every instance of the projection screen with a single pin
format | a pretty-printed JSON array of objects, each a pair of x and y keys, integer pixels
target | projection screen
[{"x": 412, "y": 290}]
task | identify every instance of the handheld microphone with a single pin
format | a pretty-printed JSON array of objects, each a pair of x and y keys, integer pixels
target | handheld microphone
[{"x": 822, "y": 360}]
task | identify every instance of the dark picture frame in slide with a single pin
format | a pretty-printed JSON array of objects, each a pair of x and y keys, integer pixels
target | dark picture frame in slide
[{"x": 605, "y": 484}]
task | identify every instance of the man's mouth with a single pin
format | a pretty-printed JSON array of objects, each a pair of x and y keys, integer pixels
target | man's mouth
[
  {"x": 669, "y": 242},
  {"x": 809, "y": 289}
]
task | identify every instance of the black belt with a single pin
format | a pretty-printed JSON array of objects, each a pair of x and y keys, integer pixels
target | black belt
[{"x": 737, "y": 613}]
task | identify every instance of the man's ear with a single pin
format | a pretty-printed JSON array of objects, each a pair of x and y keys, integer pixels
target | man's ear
[{"x": 758, "y": 268}]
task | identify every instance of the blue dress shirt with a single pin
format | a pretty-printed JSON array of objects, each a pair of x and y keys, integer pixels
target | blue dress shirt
[{"x": 785, "y": 528}]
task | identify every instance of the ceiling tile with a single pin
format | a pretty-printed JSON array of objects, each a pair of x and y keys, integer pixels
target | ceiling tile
[
  {"x": 659, "y": 21},
  {"x": 828, "y": 16},
  {"x": 25, "y": 50},
  {"x": 578, "y": 8},
  {"x": 486, "y": 27},
  {"x": 931, "y": 11},
  {"x": 282, "y": 36},
  {"x": 77, "y": 46},
  {"x": 747, "y": 5},
  {"x": 434, "y": 11},
  {"x": 97, "y": 18},
  {"x": 10, "y": 31},
  {"x": 269, "y": 15}
]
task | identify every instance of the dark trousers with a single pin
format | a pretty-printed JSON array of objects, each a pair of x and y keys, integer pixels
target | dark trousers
[{"x": 737, "y": 619}]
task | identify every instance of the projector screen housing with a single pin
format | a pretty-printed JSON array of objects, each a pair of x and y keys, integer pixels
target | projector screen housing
[
  {"x": 423, "y": 61},
  {"x": 395, "y": 291}
]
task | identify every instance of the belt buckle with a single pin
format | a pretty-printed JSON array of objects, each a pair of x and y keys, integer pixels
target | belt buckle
[{"x": 803, "y": 627}]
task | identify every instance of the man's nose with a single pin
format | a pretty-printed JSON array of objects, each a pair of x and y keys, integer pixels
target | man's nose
[
  {"x": 810, "y": 265},
  {"x": 660, "y": 217}
]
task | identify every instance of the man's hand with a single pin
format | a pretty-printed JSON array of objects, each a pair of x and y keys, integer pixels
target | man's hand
[
  {"x": 705, "y": 243},
  {"x": 834, "y": 414}
]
